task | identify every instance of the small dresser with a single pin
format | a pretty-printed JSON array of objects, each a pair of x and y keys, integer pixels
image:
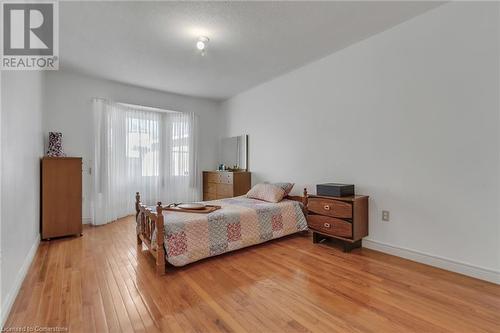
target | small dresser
[
  {"x": 225, "y": 184},
  {"x": 344, "y": 218}
]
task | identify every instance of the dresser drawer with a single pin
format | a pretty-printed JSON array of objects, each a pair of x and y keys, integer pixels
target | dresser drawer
[
  {"x": 209, "y": 196},
  {"x": 213, "y": 177},
  {"x": 224, "y": 190},
  {"x": 210, "y": 188},
  {"x": 226, "y": 178},
  {"x": 330, "y": 225},
  {"x": 330, "y": 207}
]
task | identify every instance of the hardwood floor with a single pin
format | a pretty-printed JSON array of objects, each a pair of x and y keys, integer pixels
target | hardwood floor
[{"x": 98, "y": 283}]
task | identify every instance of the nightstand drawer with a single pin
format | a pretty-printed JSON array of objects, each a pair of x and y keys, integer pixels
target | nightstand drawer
[
  {"x": 330, "y": 225},
  {"x": 330, "y": 207}
]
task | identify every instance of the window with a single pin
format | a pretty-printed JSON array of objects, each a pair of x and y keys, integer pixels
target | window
[
  {"x": 180, "y": 149},
  {"x": 180, "y": 160},
  {"x": 143, "y": 145},
  {"x": 141, "y": 149}
]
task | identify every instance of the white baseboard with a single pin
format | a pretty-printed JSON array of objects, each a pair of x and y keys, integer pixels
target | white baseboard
[
  {"x": 436, "y": 261},
  {"x": 11, "y": 296}
]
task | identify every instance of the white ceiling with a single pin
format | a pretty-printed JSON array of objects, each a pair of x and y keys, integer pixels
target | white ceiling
[{"x": 152, "y": 44}]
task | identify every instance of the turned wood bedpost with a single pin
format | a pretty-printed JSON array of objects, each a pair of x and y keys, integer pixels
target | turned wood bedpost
[
  {"x": 160, "y": 236},
  {"x": 304, "y": 198},
  {"x": 137, "y": 212},
  {"x": 137, "y": 204}
]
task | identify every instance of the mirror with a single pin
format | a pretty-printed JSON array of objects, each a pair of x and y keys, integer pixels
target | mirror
[{"x": 233, "y": 152}]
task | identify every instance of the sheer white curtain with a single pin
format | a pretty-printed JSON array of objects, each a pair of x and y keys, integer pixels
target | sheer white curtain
[{"x": 151, "y": 152}]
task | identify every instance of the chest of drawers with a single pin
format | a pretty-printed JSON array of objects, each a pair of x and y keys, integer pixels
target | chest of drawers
[
  {"x": 225, "y": 184},
  {"x": 344, "y": 218},
  {"x": 61, "y": 196}
]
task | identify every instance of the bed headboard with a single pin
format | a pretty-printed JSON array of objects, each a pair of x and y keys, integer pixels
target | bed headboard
[{"x": 299, "y": 198}]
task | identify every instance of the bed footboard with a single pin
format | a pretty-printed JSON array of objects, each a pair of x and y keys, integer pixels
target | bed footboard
[{"x": 149, "y": 221}]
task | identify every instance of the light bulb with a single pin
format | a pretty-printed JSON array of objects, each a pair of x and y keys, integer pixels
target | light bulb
[{"x": 200, "y": 45}]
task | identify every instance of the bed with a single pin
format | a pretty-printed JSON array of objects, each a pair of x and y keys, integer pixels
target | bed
[{"x": 181, "y": 238}]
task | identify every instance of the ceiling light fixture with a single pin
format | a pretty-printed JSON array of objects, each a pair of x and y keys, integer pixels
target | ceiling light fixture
[{"x": 201, "y": 44}]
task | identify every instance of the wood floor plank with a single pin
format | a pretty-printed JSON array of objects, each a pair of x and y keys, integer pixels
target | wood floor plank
[
  {"x": 102, "y": 282},
  {"x": 76, "y": 305},
  {"x": 110, "y": 314}
]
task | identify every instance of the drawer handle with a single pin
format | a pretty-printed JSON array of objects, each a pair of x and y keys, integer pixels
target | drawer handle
[
  {"x": 327, "y": 225},
  {"x": 326, "y": 207}
]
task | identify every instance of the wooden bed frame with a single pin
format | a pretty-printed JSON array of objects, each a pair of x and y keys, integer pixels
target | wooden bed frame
[{"x": 151, "y": 220}]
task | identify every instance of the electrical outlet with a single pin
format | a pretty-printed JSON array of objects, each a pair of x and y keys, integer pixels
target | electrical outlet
[{"x": 385, "y": 215}]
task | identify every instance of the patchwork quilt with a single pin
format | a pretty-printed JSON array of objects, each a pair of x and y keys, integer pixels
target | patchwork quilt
[{"x": 241, "y": 222}]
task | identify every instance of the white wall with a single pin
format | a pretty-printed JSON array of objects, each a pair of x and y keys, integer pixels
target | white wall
[
  {"x": 411, "y": 116},
  {"x": 21, "y": 148},
  {"x": 68, "y": 109}
]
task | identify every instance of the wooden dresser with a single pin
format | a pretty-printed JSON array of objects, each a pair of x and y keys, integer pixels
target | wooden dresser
[
  {"x": 344, "y": 218},
  {"x": 225, "y": 184},
  {"x": 61, "y": 201}
]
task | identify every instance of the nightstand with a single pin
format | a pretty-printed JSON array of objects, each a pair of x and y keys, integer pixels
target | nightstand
[{"x": 343, "y": 218}]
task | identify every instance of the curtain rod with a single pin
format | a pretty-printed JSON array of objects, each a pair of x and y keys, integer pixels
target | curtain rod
[
  {"x": 137, "y": 106},
  {"x": 147, "y": 108}
]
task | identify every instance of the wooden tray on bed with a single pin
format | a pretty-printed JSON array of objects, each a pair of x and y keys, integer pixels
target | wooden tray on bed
[{"x": 207, "y": 210}]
